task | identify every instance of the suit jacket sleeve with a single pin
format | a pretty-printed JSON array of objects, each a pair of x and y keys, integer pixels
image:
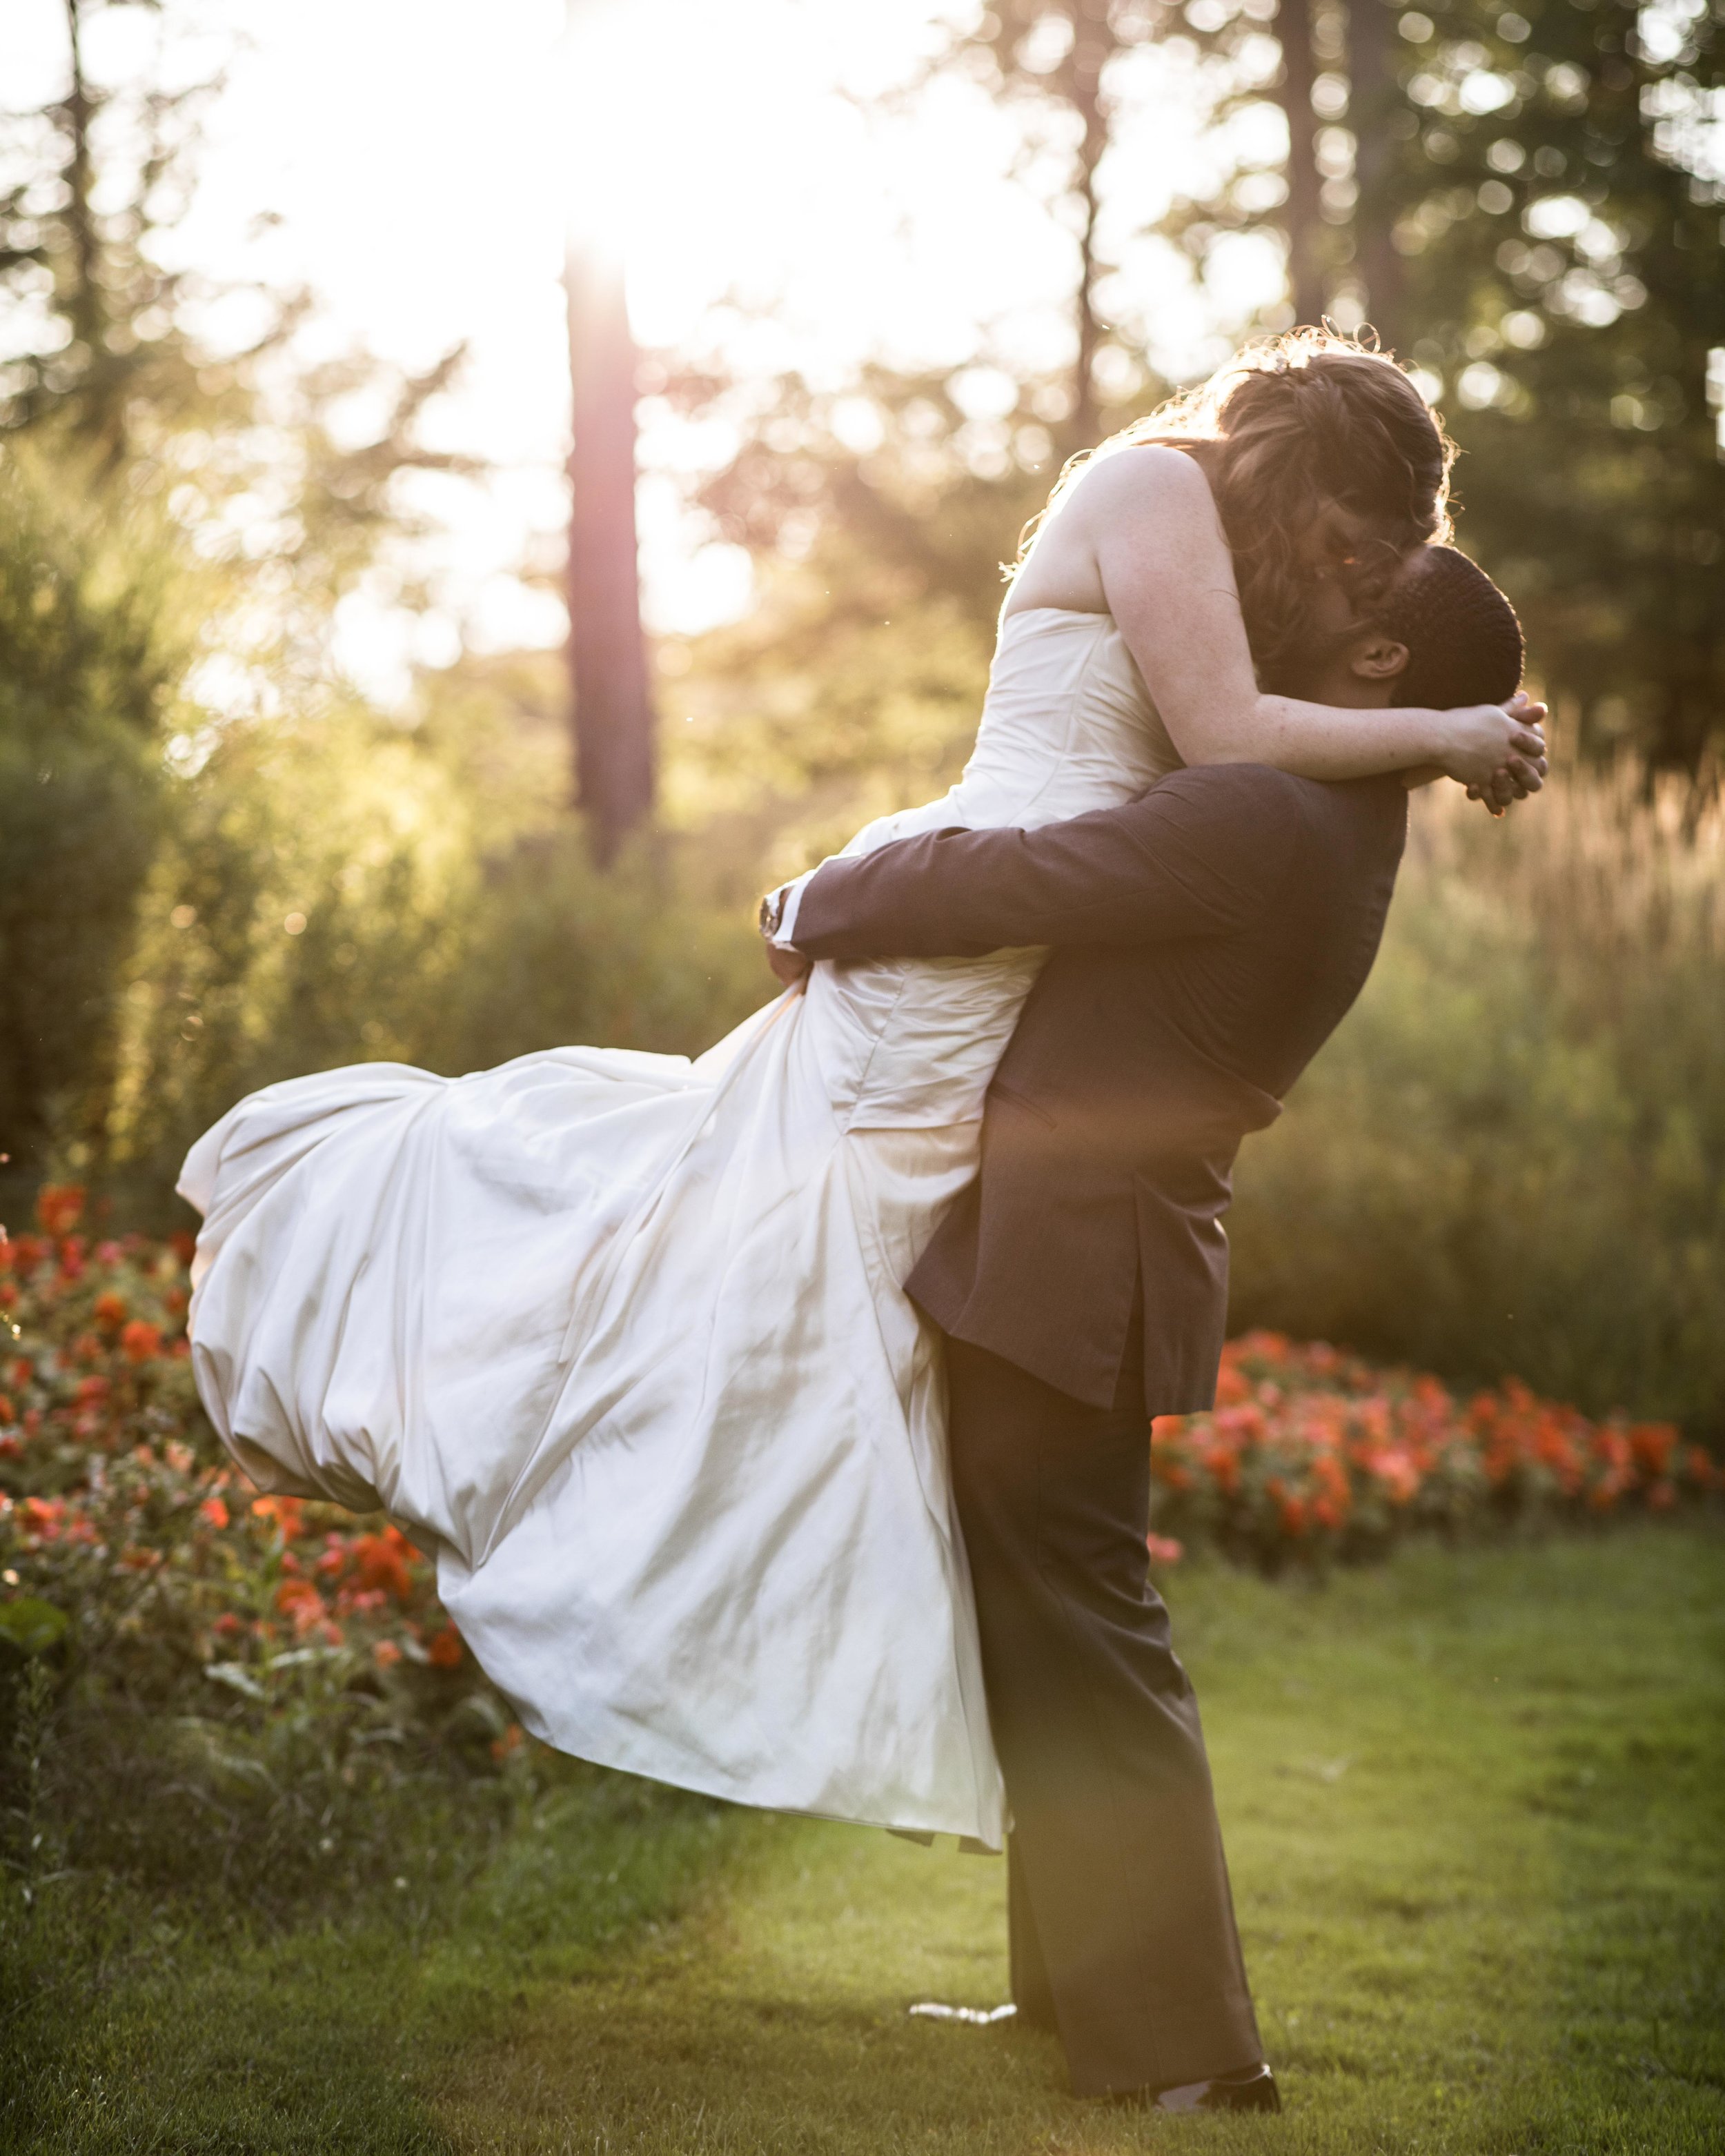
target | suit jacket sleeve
[{"x": 1193, "y": 857}]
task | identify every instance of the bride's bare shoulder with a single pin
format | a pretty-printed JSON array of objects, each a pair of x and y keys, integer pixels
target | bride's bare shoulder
[{"x": 1148, "y": 479}]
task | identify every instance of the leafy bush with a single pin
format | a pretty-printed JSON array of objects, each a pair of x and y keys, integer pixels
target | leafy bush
[{"x": 336, "y": 888}]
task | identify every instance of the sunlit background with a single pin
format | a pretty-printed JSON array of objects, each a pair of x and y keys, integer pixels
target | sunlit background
[{"x": 414, "y": 161}]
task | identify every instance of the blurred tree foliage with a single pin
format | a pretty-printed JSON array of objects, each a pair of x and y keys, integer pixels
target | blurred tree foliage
[
  {"x": 287, "y": 465},
  {"x": 92, "y": 178},
  {"x": 178, "y": 520},
  {"x": 92, "y": 646},
  {"x": 1553, "y": 206}
]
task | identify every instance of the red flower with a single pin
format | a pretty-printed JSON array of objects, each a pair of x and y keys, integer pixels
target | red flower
[
  {"x": 1165, "y": 1549},
  {"x": 109, "y": 1310},
  {"x": 385, "y": 1653},
  {"x": 444, "y": 1651},
  {"x": 215, "y": 1510}
]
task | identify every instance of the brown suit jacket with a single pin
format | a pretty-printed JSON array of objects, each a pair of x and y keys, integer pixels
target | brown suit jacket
[{"x": 1208, "y": 937}]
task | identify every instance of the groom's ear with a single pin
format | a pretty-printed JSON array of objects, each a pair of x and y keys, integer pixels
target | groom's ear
[{"x": 1379, "y": 658}]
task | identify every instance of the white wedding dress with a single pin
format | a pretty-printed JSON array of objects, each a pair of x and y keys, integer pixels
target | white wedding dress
[{"x": 622, "y": 1337}]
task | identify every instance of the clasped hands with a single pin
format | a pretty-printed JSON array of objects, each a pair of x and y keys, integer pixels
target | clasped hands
[{"x": 1497, "y": 752}]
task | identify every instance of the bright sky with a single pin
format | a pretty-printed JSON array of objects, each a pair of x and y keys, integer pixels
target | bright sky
[{"x": 422, "y": 158}]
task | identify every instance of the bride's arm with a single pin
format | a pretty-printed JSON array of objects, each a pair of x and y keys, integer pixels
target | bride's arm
[{"x": 1150, "y": 520}]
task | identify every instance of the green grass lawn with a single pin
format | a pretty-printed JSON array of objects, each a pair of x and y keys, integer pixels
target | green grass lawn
[{"x": 1476, "y": 1811}]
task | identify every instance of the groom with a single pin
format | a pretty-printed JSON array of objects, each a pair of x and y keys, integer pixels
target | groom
[{"x": 1207, "y": 938}]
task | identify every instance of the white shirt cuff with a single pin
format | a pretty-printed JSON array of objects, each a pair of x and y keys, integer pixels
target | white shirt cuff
[{"x": 789, "y": 896}]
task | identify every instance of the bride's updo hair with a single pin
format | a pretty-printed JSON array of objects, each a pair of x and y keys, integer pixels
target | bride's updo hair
[{"x": 1285, "y": 430}]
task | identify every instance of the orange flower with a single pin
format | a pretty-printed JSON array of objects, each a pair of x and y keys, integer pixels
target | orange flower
[
  {"x": 301, "y": 1601},
  {"x": 385, "y": 1653},
  {"x": 7, "y": 1412},
  {"x": 284, "y": 1510},
  {"x": 60, "y": 1207},
  {"x": 215, "y": 1510},
  {"x": 444, "y": 1651},
  {"x": 109, "y": 1309},
  {"x": 509, "y": 1742},
  {"x": 141, "y": 1341},
  {"x": 386, "y": 1561}
]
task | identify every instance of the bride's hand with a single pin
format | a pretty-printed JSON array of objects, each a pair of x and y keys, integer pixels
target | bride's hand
[
  {"x": 790, "y": 967},
  {"x": 1496, "y": 750},
  {"x": 1511, "y": 785}
]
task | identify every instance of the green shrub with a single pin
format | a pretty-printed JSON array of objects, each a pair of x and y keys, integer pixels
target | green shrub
[
  {"x": 91, "y": 653},
  {"x": 337, "y": 888}
]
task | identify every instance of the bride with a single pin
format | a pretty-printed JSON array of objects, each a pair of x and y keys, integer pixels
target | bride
[{"x": 620, "y": 1337}]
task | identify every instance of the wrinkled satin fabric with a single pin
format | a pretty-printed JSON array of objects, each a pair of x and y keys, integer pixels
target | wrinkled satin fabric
[{"x": 621, "y": 1337}]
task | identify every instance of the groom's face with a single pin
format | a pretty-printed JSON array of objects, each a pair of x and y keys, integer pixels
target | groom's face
[{"x": 1347, "y": 662}]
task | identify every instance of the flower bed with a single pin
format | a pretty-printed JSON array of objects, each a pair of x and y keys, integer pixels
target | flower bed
[
  {"x": 236, "y": 1684},
  {"x": 119, "y": 1514},
  {"x": 1312, "y": 1454},
  {"x": 129, "y": 1542}
]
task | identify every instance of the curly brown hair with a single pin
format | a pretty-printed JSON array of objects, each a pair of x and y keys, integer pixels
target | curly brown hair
[{"x": 1286, "y": 430}]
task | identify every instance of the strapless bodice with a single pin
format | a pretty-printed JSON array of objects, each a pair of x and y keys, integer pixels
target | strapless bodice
[{"x": 1068, "y": 726}]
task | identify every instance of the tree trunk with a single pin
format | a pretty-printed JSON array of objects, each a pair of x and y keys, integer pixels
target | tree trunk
[
  {"x": 1374, "y": 101},
  {"x": 612, "y": 700},
  {"x": 1305, "y": 231},
  {"x": 1092, "y": 44}
]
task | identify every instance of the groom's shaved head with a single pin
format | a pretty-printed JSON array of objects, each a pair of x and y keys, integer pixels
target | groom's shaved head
[{"x": 1463, "y": 641}]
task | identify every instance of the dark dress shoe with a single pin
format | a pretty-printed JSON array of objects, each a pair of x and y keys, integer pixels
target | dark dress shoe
[{"x": 1254, "y": 2090}]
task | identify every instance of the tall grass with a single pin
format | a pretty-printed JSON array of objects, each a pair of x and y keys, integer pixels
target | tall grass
[{"x": 1511, "y": 1157}]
